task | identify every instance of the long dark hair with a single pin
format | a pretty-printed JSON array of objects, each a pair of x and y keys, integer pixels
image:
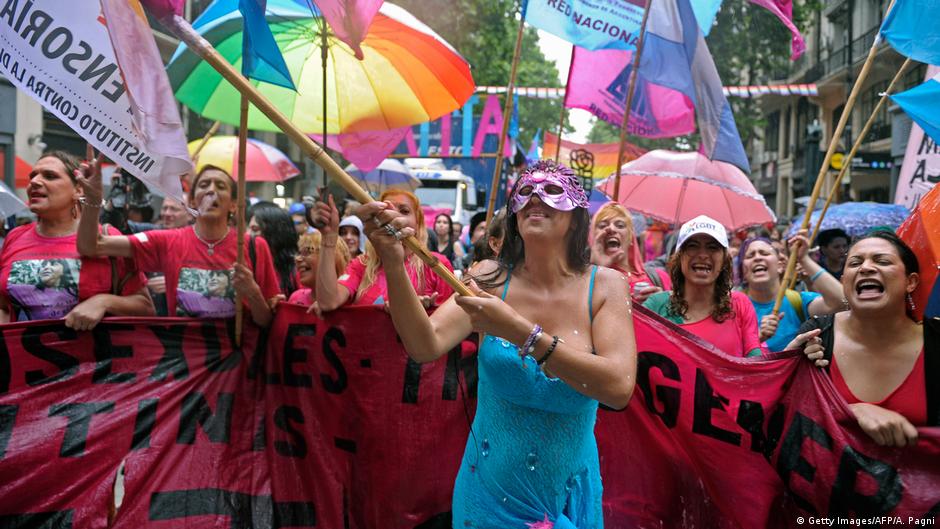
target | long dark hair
[
  {"x": 278, "y": 231},
  {"x": 449, "y": 248},
  {"x": 721, "y": 297}
]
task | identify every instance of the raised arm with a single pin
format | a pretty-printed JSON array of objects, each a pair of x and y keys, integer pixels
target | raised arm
[
  {"x": 833, "y": 298},
  {"x": 90, "y": 242},
  {"x": 330, "y": 294}
]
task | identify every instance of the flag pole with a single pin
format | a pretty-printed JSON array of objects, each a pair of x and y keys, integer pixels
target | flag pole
[
  {"x": 324, "y": 56},
  {"x": 564, "y": 101},
  {"x": 629, "y": 101},
  {"x": 199, "y": 45},
  {"x": 507, "y": 110},
  {"x": 240, "y": 212},
  {"x": 833, "y": 143},
  {"x": 205, "y": 139}
]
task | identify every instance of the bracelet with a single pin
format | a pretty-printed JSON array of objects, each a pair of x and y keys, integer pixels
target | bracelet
[
  {"x": 528, "y": 347},
  {"x": 549, "y": 351},
  {"x": 814, "y": 277},
  {"x": 84, "y": 201}
]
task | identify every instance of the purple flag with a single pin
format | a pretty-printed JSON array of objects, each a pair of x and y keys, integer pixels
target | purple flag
[{"x": 350, "y": 19}]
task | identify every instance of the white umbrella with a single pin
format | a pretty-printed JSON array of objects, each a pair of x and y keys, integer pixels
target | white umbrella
[
  {"x": 390, "y": 174},
  {"x": 10, "y": 204}
]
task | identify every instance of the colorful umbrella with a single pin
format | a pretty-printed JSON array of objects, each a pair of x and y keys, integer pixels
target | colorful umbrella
[
  {"x": 390, "y": 174},
  {"x": 408, "y": 75},
  {"x": 678, "y": 186},
  {"x": 857, "y": 218},
  {"x": 921, "y": 231},
  {"x": 263, "y": 163}
]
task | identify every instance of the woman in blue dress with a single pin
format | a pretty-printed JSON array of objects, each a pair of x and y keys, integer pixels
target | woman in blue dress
[{"x": 558, "y": 340}]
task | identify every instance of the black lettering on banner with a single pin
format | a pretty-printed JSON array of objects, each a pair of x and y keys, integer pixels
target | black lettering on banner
[
  {"x": 195, "y": 409},
  {"x": 283, "y": 417},
  {"x": 338, "y": 384},
  {"x": 790, "y": 459},
  {"x": 173, "y": 360},
  {"x": 38, "y": 23},
  {"x": 846, "y": 500},
  {"x": 246, "y": 511},
  {"x": 59, "y": 48},
  {"x": 6, "y": 366},
  {"x": 70, "y": 58},
  {"x": 214, "y": 361},
  {"x": 79, "y": 416},
  {"x": 296, "y": 355},
  {"x": 260, "y": 442},
  {"x": 7, "y": 420},
  {"x": 707, "y": 400},
  {"x": 409, "y": 393},
  {"x": 751, "y": 418},
  {"x": 106, "y": 352},
  {"x": 103, "y": 73},
  {"x": 37, "y": 520},
  {"x": 143, "y": 425},
  {"x": 669, "y": 396},
  {"x": 32, "y": 343},
  {"x": 456, "y": 364}
]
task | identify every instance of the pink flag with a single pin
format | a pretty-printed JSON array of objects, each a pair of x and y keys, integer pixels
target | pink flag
[
  {"x": 365, "y": 149},
  {"x": 783, "y": 9},
  {"x": 598, "y": 83},
  {"x": 162, "y": 8},
  {"x": 350, "y": 20}
]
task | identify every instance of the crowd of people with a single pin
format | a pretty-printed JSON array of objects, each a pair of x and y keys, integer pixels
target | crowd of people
[{"x": 553, "y": 291}]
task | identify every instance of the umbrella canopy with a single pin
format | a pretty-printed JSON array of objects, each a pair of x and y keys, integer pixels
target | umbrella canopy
[
  {"x": 408, "y": 75},
  {"x": 10, "y": 204},
  {"x": 857, "y": 218},
  {"x": 675, "y": 187},
  {"x": 263, "y": 163},
  {"x": 390, "y": 174},
  {"x": 921, "y": 231}
]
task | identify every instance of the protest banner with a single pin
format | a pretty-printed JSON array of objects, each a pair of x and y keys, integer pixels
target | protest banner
[
  {"x": 61, "y": 55},
  {"x": 921, "y": 168},
  {"x": 327, "y": 423},
  {"x": 603, "y": 24}
]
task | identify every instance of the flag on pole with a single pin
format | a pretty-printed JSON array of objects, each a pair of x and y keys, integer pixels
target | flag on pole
[
  {"x": 675, "y": 56},
  {"x": 514, "y": 119},
  {"x": 591, "y": 24},
  {"x": 911, "y": 28},
  {"x": 534, "y": 153},
  {"x": 261, "y": 58},
  {"x": 350, "y": 19},
  {"x": 783, "y": 9},
  {"x": 920, "y": 103},
  {"x": 163, "y": 8}
]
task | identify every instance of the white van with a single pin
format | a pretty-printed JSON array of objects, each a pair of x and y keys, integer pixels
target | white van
[{"x": 446, "y": 189}]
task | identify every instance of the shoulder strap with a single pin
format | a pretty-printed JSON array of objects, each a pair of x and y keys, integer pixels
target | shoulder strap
[
  {"x": 653, "y": 273},
  {"x": 591, "y": 293},
  {"x": 506, "y": 287},
  {"x": 796, "y": 301}
]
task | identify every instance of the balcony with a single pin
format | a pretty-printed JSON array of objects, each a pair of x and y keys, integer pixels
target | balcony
[
  {"x": 879, "y": 131},
  {"x": 861, "y": 45},
  {"x": 836, "y": 60}
]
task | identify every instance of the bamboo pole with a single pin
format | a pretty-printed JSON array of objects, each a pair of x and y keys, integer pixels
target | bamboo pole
[
  {"x": 629, "y": 101},
  {"x": 833, "y": 143},
  {"x": 205, "y": 139},
  {"x": 185, "y": 32},
  {"x": 564, "y": 100},
  {"x": 858, "y": 143},
  {"x": 240, "y": 212},
  {"x": 507, "y": 113}
]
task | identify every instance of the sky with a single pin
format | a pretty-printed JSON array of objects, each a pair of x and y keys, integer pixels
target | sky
[{"x": 559, "y": 51}]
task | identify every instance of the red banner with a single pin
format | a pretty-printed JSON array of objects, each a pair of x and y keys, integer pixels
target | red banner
[{"x": 327, "y": 423}]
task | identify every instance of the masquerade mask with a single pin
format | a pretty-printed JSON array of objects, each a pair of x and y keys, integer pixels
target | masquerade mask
[{"x": 554, "y": 184}]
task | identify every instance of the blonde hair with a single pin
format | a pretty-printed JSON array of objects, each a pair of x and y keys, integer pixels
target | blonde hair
[
  {"x": 315, "y": 240},
  {"x": 371, "y": 259},
  {"x": 612, "y": 210}
]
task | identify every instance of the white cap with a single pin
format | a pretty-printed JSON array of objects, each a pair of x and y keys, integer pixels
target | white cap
[{"x": 706, "y": 225}]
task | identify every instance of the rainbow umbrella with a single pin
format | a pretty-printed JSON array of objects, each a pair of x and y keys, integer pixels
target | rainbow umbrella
[
  {"x": 408, "y": 75},
  {"x": 263, "y": 163}
]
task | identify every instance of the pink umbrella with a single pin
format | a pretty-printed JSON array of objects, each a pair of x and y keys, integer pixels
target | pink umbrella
[{"x": 678, "y": 186}]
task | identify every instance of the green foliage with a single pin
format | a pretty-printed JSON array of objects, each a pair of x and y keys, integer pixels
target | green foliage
[
  {"x": 603, "y": 132},
  {"x": 484, "y": 32}
]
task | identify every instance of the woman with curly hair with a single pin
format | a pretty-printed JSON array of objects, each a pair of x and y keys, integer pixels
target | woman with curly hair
[{"x": 701, "y": 300}]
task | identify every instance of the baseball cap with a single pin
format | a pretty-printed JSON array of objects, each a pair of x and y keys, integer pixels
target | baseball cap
[{"x": 703, "y": 224}]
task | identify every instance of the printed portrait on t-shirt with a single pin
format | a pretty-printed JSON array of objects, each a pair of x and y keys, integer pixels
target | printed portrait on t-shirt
[
  {"x": 44, "y": 288},
  {"x": 205, "y": 293}
]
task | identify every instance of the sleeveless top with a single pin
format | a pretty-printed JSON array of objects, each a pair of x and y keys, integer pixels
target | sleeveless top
[
  {"x": 909, "y": 398},
  {"x": 531, "y": 454}
]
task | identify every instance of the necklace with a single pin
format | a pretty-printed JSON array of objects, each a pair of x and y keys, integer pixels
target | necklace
[{"x": 210, "y": 246}]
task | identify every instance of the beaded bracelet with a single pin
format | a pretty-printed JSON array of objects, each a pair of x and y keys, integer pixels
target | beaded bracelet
[
  {"x": 528, "y": 347},
  {"x": 549, "y": 351}
]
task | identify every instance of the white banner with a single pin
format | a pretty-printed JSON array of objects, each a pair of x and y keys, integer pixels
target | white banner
[
  {"x": 60, "y": 53},
  {"x": 921, "y": 168}
]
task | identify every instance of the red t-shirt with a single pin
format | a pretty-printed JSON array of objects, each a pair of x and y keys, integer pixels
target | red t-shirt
[
  {"x": 199, "y": 284},
  {"x": 909, "y": 399},
  {"x": 45, "y": 277},
  {"x": 377, "y": 293},
  {"x": 303, "y": 296}
]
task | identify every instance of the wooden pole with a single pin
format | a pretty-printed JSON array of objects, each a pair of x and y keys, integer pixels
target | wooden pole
[
  {"x": 564, "y": 100},
  {"x": 817, "y": 187},
  {"x": 205, "y": 139},
  {"x": 240, "y": 212},
  {"x": 629, "y": 101},
  {"x": 858, "y": 143},
  {"x": 185, "y": 32},
  {"x": 507, "y": 113}
]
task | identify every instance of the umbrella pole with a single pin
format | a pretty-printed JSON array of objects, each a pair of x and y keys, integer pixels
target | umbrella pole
[
  {"x": 324, "y": 55},
  {"x": 185, "y": 32},
  {"x": 507, "y": 112},
  {"x": 205, "y": 139},
  {"x": 833, "y": 143},
  {"x": 564, "y": 101},
  {"x": 240, "y": 212},
  {"x": 858, "y": 143}
]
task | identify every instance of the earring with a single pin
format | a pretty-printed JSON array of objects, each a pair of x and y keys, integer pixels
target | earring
[
  {"x": 910, "y": 301},
  {"x": 75, "y": 210}
]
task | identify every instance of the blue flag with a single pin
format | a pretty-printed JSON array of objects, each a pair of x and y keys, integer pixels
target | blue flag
[
  {"x": 920, "y": 103},
  {"x": 514, "y": 119},
  {"x": 534, "y": 150},
  {"x": 911, "y": 28},
  {"x": 261, "y": 58}
]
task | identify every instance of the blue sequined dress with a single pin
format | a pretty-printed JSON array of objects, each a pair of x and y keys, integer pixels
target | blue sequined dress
[{"x": 532, "y": 452}]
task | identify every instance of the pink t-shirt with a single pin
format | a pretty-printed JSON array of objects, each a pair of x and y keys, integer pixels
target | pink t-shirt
[
  {"x": 45, "y": 277},
  {"x": 303, "y": 296},
  {"x": 377, "y": 293},
  {"x": 736, "y": 336},
  {"x": 199, "y": 284}
]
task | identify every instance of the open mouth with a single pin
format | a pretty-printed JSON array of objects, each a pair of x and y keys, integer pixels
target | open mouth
[
  {"x": 612, "y": 244},
  {"x": 759, "y": 268},
  {"x": 869, "y": 289},
  {"x": 537, "y": 213},
  {"x": 701, "y": 268}
]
